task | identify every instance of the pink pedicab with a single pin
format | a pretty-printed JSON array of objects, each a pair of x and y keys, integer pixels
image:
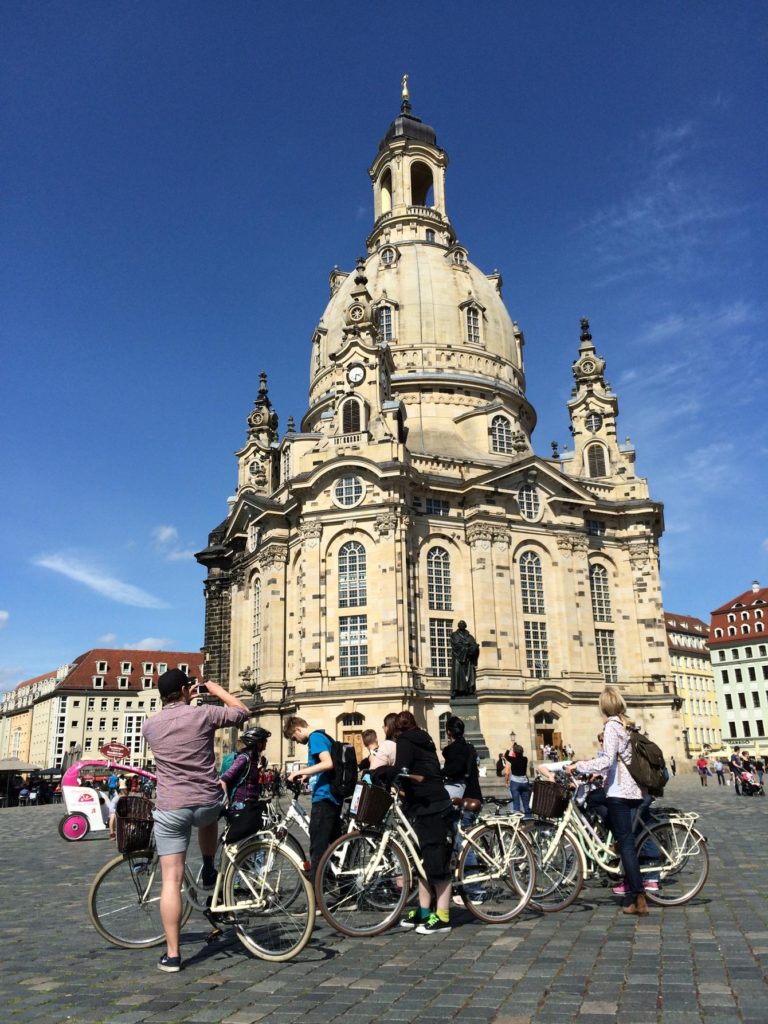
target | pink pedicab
[{"x": 87, "y": 807}]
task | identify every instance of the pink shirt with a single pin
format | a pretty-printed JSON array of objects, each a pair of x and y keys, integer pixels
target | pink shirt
[
  {"x": 384, "y": 755},
  {"x": 181, "y": 738}
]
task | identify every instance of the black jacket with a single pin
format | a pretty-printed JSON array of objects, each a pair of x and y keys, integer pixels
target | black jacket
[
  {"x": 417, "y": 753},
  {"x": 461, "y": 766}
]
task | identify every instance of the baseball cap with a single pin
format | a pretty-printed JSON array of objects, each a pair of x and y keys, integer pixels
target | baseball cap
[{"x": 172, "y": 681}]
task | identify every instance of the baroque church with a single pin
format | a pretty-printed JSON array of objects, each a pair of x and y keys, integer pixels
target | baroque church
[{"x": 410, "y": 497}]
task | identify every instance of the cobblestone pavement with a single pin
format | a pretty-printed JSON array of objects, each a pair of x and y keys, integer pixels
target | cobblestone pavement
[{"x": 705, "y": 963}]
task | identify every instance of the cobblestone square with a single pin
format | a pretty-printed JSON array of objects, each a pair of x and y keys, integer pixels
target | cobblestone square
[{"x": 704, "y": 963}]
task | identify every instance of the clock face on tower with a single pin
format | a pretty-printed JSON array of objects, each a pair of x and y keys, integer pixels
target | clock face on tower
[{"x": 356, "y": 374}]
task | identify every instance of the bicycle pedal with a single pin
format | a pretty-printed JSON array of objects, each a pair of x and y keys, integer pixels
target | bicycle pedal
[{"x": 213, "y": 935}]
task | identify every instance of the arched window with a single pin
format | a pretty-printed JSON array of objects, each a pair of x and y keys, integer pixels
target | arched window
[
  {"x": 350, "y": 416},
  {"x": 596, "y": 460},
  {"x": 286, "y": 466},
  {"x": 531, "y": 583},
  {"x": 528, "y": 501},
  {"x": 719, "y": 632},
  {"x": 430, "y": 235},
  {"x": 601, "y": 597},
  {"x": 473, "y": 325},
  {"x": 384, "y": 323},
  {"x": 759, "y": 627},
  {"x": 353, "y": 585},
  {"x": 256, "y": 629},
  {"x": 745, "y": 616},
  {"x": 731, "y": 631},
  {"x": 745, "y": 629},
  {"x": 501, "y": 435},
  {"x": 385, "y": 185},
  {"x": 443, "y": 727},
  {"x": 421, "y": 184},
  {"x": 439, "y": 579}
]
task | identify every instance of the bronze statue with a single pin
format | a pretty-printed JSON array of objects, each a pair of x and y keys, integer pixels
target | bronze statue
[{"x": 465, "y": 652}]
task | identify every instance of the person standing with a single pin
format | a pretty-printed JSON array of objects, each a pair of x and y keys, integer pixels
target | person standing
[
  {"x": 519, "y": 784},
  {"x": 188, "y": 790},
  {"x": 623, "y": 795},
  {"x": 737, "y": 767},
  {"x": 673, "y": 766},
  {"x": 386, "y": 752},
  {"x": 702, "y": 766},
  {"x": 719, "y": 770},
  {"x": 325, "y": 817}
]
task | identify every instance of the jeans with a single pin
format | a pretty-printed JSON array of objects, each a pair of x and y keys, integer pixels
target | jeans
[
  {"x": 720, "y": 779},
  {"x": 324, "y": 827},
  {"x": 620, "y": 814},
  {"x": 519, "y": 791}
]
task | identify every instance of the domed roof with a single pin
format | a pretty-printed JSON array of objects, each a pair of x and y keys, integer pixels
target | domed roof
[
  {"x": 408, "y": 126},
  {"x": 429, "y": 292}
]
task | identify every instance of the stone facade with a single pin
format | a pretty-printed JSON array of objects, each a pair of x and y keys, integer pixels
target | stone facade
[{"x": 411, "y": 497}]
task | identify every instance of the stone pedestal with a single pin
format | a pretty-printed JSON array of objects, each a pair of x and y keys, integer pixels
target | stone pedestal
[{"x": 467, "y": 709}]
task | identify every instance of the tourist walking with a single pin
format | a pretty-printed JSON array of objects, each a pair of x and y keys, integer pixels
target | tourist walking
[
  {"x": 737, "y": 767},
  {"x": 702, "y": 766},
  {"x": 673, "y": 766},
  {"x": 623, "y": 795}
]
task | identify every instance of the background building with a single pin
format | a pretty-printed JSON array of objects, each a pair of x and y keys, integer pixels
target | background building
[
  {"x": 739, "y": 652},
  {"x": 410, "y": 497},
  {"x": 103, "y": 696},
  {"x": 694, "y": 683}
]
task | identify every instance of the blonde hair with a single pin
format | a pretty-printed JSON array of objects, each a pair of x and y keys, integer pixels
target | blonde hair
[{"x": 612, "y": 702}]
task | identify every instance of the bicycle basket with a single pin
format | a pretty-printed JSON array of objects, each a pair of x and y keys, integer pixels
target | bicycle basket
[
  {"x": 133, "y": 823},
  {"x": 373, "y": 805},
  {"x": 549, "y": 799}
]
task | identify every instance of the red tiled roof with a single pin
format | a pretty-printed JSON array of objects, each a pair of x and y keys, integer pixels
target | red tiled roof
[
  {"x": 747, "y": 599},
  {"x": 744, "y": 608},
  {"x": 38, "y": 679},
  {"x": 85, "y": 668},
  {"x": 685, "y": 623}
]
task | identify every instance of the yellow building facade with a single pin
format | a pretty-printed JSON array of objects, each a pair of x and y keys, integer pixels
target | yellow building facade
[
  {"x": 695, "y": 683},
  {"x": 410, "y": 497}
]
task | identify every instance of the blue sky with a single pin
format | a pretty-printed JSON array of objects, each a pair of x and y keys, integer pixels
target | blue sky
[{"x": 179, "y": 179}]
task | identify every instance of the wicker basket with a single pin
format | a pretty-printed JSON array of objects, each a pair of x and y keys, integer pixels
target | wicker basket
[
  {"x": 133, "y": 821},
  {"x": 549, "y": 799},
  {"x": 372, "y": 806}
]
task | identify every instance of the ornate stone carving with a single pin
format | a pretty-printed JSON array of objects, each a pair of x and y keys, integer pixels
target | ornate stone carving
[
  {"x": 480, "y": 535},
  {"x": 572, "y": 543},
  {"x": 501, "y": 537},
  {"x": 310, "y": 534},
  {"x": 639, "y": 554},
  {"x": 519, "y": 441},
  {"x": 386, "y": 522},
  {"x": 271, "y": 554},
  {"x": 237, "y": 574}
]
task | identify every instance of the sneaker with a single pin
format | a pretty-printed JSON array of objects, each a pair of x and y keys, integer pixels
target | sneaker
[
  {"x": 410, "y": 920},
  {"x": 622, "y": 889},
  {"x": 651, "y": 885},
  {"x": 208, "y": 878},
  {"x": 169, "y": 964},
  {"x": 432, "y": 925}
]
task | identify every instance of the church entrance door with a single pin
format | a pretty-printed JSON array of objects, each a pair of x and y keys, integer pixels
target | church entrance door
[
  {"x": 355, "y": 737},
  {"x": 548, "y": 736}
]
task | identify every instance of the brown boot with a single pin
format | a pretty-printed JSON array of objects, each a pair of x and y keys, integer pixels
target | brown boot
[{"x": 639, "y": 907}]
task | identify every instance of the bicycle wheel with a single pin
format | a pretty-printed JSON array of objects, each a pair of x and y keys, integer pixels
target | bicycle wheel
[
  {"x": 679, "y": 854},
  {"x": 269, "y": 900},
  {"x": 497, "y": 872},
  {"x": 124, "y": 901},
  {"x": 559, "y": 867},
  {"x": 362, "y": 883}
]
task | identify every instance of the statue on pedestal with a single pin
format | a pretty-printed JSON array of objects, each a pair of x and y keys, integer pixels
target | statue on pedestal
[{"x": 465, "y": 651}]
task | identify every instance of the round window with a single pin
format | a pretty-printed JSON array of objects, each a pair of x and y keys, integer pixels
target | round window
[
  {"x": 348, "y": 491},
  {"x": 593, "y": 422},
  {"x": 387, "y": 256}
]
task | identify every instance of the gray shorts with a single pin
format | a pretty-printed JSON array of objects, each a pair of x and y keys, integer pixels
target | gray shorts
[{"x": 173, "y": 829}]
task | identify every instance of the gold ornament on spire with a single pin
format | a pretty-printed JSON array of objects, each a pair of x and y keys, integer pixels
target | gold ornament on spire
[{"x": 405, "y": 93}]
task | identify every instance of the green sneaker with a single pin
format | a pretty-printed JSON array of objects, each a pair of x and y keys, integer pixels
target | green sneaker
[
  {"x": 432, "y": 925},
  {"x": 411, "y": 919}
]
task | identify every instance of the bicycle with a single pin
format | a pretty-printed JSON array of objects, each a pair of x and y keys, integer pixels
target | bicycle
[
  {"x": 670, "y": 847},
  {"x": 364, "y": 878},
  {"x": 260, "y": 889}
]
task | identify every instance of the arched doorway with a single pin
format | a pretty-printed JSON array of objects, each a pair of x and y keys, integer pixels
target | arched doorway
[
  {"x": 352, "y": 732},
  {"x": 547, "y": 730}
]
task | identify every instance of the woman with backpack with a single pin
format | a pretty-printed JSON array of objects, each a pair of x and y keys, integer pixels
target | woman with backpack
[
  {"x": 244, "y": 784},
  {"x": 623, "y": 795}
]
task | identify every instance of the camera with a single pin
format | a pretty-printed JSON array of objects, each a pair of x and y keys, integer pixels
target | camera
[{"x": 202, "y": 689}]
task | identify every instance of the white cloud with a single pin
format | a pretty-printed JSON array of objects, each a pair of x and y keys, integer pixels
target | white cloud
[
  {"x": 4, "y": 616},
  {"x": 108, "y": 639},
  {"x": 149, "y": 643},
  {"x": 166, "y": 540},
  {"x": 101, "y": 582}
]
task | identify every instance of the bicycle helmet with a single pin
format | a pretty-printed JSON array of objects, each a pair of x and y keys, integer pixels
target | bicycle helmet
[{"x": 253, "y": 737}]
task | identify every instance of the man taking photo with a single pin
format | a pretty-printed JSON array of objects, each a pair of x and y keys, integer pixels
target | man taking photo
[{"x": 188, "y": 790}]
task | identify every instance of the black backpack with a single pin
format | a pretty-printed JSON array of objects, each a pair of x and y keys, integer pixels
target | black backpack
[
  {"x": 646, "y": 763},
  {"x": 344, "y": 759}
]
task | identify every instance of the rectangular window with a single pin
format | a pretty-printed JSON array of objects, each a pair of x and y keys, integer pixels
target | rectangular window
[
  {"x": 606, "y": 654},
  {"x": 123, "y": 683},
  {"x": 353, "y": 645},
  {"x": 146, "y": 668},
  {"x": 132, "y": 737},
  {"x": 737, "y": 675},
  {"x": 732, "y": 730},
  {"x": 595, "y": 527},
  {"x": 91, "y": 703},
  {"x": 751, "y": 673},
  {"x": 162, "y": 667},
  {"x": 728, "y": 702},
  {"x": 89, "y": 723},
  {"x": 536, "y": 648},
  {"x": 755, "y": 699},
  {"x": 746, "y": 729},
  {"x": 742, "y": 700},
  {"x": 765, "y": 671},
  {"x": 440, "y": 647},
  {"x": 724, "y": 675},
  {"x": 115, "y": 703},
  {"x": 735, "y": 654},
  {"x": 437, "y": 507},
  {"x": 126, "y": 667},
  {"x": 473, "y": 326},
  {"x": 101, "y": 666},
  {"x": 747, "y": 652},
  {"x": 102, "y": 725},
  {"x": 760, "y": 727},
  {"x": 115, "y": 723},
  {"x": 721, "y": 655},
  {"x": 103, "y": 704},
  {"x": 74, "y": 724},
  {"x": 98, "y": 683},
  {"x": 146, "y": 682}
]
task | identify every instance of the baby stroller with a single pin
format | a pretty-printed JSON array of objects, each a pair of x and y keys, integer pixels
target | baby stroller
[{"x": 750, "y": 784}]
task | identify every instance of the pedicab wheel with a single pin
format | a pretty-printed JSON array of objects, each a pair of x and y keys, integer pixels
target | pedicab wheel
[
  {"x": 124, "y": 901},
  {"x": 361, "y": 886},
  {"x": 497, "y": 872},
  {"x": 269, "y": 900},
  {"x": 74, "y": 827}
]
